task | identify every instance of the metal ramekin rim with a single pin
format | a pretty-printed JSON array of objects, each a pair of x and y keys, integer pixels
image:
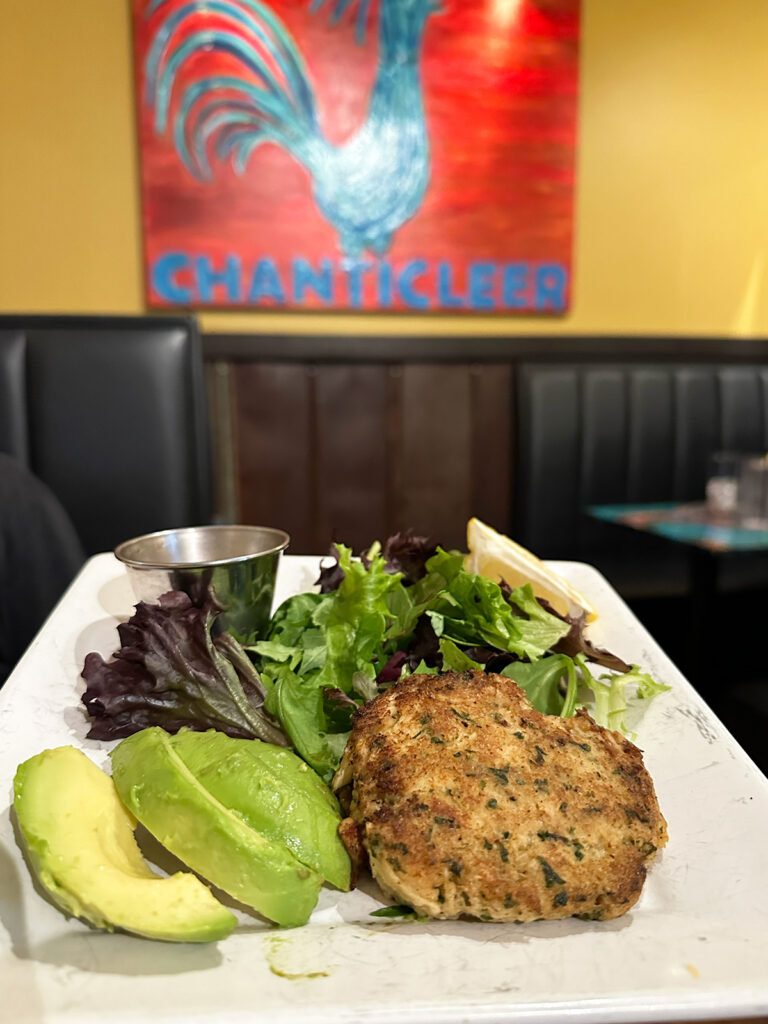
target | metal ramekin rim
[{"x": 139, "y": 563}]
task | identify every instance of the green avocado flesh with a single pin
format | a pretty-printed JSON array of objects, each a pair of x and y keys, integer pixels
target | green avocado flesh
[
  {"x": 166, "y": 795},
  {"x": 80, "y": 843},
  {"x": 274, "y": 792}
]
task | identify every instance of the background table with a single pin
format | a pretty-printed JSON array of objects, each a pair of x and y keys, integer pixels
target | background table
[{"x": 684, "y": 523}]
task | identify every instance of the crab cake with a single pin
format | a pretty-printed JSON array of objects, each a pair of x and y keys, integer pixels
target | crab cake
[{"x": 469, "y": 802}]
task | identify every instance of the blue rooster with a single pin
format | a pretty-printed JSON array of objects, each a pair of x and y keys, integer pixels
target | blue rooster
[{"x": 366, "y": 187}]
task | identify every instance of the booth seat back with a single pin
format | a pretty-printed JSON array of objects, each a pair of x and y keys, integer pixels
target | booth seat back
[
  {"x": 603, "y": 433},
  {"x": 110, "y": 412}
]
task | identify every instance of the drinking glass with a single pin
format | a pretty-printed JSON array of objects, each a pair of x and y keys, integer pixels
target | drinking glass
[
  {"x": 722, "y": 484},
  {"x": 752, "y": 495}
]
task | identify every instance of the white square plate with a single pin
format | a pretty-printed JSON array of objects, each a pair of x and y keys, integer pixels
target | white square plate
[{"x": 695, "y": 946}]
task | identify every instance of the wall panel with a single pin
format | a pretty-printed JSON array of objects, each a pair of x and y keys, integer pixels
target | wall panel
[
  {"x": 274, "y": 457},
  {"x": 350, "y": 443},
  {"x": 356, "y": 452}
]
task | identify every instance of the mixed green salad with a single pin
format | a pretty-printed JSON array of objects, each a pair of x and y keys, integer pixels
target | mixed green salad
[{"x": 405, "y": 606}]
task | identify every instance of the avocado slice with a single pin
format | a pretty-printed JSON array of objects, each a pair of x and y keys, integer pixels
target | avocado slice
[
  {"x": 80, "y": 844},
  {"x": 274, "y": 792},
  {"x": 216, "y": 842}
]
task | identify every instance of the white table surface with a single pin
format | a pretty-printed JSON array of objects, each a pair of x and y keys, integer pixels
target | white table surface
[{"x": 695, "y": 946}]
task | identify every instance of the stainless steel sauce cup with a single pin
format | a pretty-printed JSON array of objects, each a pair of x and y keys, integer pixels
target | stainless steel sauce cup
[{"x": 234, "y": 567}]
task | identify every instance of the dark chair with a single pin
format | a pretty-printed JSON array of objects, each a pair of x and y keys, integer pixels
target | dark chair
[
  {"x": 110, "y": 414},
  {"x": 40, "y": 553}
]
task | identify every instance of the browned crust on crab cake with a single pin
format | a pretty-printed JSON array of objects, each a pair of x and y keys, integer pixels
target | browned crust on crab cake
[{"x": 469, "y": 802}]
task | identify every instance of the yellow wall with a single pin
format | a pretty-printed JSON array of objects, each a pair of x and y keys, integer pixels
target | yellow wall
[{"x": 672, "y": 192}]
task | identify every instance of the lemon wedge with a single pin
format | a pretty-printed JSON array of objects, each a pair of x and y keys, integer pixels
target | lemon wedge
[{"x": 494, "y": 555}]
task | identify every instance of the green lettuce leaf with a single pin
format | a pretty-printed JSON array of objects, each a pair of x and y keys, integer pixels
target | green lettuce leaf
[
  {"x": 455, "y": 660},
  {"x": 472, "y": 610},
  {"x": 542, "y": 681},
  {"x": 616, "y": 695},
  {"x": 301, "y": 708}
]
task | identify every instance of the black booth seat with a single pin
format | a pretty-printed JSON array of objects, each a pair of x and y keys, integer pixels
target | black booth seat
[
  {"x": 39, "y": 555},
  {"x": 110, "y": 413}
]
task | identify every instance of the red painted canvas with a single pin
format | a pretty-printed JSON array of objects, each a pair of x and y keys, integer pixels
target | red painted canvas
[{"x": 358, "y": 154}]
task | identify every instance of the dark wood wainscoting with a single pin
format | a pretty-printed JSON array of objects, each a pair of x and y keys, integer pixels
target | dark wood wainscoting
[{"x": 356, "y": 452}]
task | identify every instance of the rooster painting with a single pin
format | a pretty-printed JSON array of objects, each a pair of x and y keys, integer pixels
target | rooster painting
[{"x": 368, "y": 186}]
